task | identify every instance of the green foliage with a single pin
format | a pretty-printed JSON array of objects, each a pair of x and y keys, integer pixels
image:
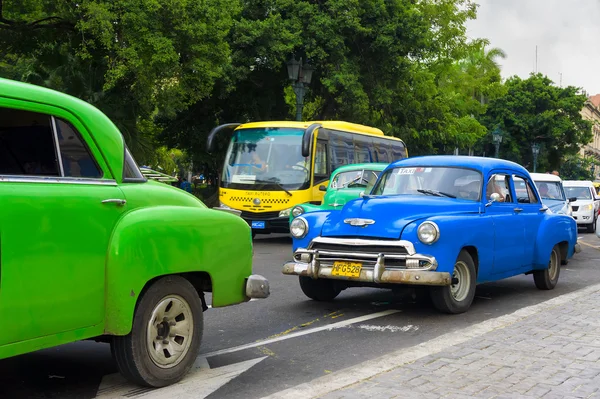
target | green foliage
[
  {"x": 577, "y": 167},
  {"x": 135, "y": 60},
  {"x": 534, "y": 110}
]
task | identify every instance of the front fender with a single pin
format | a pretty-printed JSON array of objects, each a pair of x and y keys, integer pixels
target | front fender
[
  {"x": 553, "y": 230},
  {"x": 456, "y": 232},
  {"x": 158, "y": 241},
  {"x": 315, "y": 222}
]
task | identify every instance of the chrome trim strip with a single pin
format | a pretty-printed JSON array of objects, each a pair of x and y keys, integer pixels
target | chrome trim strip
[
  {"x": 57, "y": 180},
  {"x": 57, "y": 147},
  {"x": 410, "y": 248}
]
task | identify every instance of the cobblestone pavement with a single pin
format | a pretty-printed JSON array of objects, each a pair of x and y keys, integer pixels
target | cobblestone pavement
[{"x": 552, "y": 351}]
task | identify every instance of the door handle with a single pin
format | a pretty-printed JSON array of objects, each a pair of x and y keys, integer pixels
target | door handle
[
  {"x": 518, "y": 210},
  {"x": 117, "y": 201}
]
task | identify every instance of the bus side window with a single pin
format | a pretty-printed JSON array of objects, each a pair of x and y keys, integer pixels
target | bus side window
[
  {"x": 362, "y": 145},
  {"x": 321, "y": 172},
  {"x": 399, "y": 150}
]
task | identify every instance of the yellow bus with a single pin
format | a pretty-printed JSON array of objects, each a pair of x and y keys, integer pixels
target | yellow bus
[{"x": 270, "y": 167}]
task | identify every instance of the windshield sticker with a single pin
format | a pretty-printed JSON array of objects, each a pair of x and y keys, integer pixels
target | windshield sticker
[
  {"x": 243, "y": 179},
  {"x": 427, "y": 170},
  {"x": 407, "y": 171}
]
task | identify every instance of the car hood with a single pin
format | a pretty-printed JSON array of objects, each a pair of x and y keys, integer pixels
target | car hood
[
  {"x": 390, "y": 214},
  {"x": 555, "y": 205},
  {"x": 337, "y": 198}
]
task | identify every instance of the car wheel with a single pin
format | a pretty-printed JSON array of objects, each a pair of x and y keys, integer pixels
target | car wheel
[
  {"x": 165, "y": 337},
  {"x": 546, "y": 279},
  {"x": 457, "y": 297},
  {"x": 591, "y": 228},
  {"x": 320, "y": 289}
]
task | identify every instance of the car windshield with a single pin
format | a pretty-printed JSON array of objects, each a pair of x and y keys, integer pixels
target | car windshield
[
  {"x": 266, "y": 159},
  {"x": 439, "y": 181},
  {"x": 354, "y": 178},
  {"x": 550, "y": 190},
  {"x": 582, "y": 193}
]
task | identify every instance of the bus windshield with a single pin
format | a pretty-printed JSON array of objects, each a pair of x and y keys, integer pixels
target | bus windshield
[{"x": 266, "y": 159}]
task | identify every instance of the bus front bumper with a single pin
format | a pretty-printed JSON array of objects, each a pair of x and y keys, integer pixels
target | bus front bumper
[{"x": 261, "y": 225}]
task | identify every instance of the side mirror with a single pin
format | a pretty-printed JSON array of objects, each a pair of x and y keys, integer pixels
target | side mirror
[
  {"x": 572, "y": 199},
  {"x": 322, "y": 188},
  {"x": 495, "y": 197}
]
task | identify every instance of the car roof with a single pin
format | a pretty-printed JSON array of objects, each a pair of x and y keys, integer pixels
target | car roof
[
  {"x": 359, "y": 166},
  {"x": 478, "y": 163},
  {"x": 545, "y": 177},
  {"x": 578, "y": 183}
]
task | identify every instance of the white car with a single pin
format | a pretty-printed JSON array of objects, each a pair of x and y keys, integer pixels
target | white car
[
  {"x": 552, "y": 192},
  {"x": 586, "y": 204}
]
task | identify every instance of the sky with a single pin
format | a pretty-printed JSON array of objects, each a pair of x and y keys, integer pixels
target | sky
[{"x": 566, "y": 32}]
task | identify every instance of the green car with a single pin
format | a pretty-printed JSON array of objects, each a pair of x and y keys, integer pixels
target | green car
[
  {"x": 91, "y": 249},
  {"x": 345, "y": 184}
]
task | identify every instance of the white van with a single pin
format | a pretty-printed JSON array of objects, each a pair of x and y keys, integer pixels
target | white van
[
  {"x": 586, "y": 204},
  {"x": 552, "y": 193}
]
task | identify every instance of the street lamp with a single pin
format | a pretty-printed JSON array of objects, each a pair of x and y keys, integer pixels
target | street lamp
[
  {"x": 535, "y": 148},
  {"x": 497, "y": 137},
  {"x": 300, "y": 76}
]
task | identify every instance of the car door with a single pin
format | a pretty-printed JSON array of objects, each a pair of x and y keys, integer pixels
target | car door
[
  {"x": 508, "y": 226},
  {"x": 531, "y": 210},
  {"x": 58, "y": 207}
]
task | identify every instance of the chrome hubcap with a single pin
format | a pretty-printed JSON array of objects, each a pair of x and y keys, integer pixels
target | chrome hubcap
[
  {"x": 461, "y": 278},
  {"x": 553, "y": 265},
  {"x": 170, "y": 331}
]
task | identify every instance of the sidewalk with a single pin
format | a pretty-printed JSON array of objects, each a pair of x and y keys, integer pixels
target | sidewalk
[{"x": 549, "y": 350}]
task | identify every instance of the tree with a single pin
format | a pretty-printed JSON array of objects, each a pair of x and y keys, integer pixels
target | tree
[
  {"x": 377, "y": 63},
  {"x": 579, "y": 168},
  {"x": 135, "y": 60},
  {"x": 534, "y": 110}
]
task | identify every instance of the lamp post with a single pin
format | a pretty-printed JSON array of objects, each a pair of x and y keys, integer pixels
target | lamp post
[
  {"x": 535, "y": 148},
  {"x": 300, "y": 76},
  {"x": 497, "y": 138}
]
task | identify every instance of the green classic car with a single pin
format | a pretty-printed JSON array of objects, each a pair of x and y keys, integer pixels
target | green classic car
[
  {"x": 345, "y": 184},
  {"x": 91, "y": 249}
]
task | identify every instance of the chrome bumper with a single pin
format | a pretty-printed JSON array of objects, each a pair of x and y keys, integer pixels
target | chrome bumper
[
  {"x": 257, "y": 286},
  {"x": 379, "y": 274}
]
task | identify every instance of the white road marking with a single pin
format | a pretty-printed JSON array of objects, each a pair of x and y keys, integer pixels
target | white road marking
[
  {"x": 391, "y": 328},
  {"x": 301, "y": 333},
  {"x": 352, "y": 375},
  {"x": 199, "y": 383}
]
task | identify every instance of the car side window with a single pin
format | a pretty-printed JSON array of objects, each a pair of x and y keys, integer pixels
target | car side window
[
  {"x": 499, "y": 183},
  {"x": 75, "y": 155},
  {"x": 524, "y": 191},
  {"x": 27, "y": 145}
]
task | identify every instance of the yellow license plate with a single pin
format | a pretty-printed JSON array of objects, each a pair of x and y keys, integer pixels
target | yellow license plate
[{"x": 346, "y": 269}]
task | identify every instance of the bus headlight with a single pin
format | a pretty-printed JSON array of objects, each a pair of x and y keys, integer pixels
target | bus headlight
[
  {"x": 428, "y": 232},
  {"x": 285, "y": 213},
  {"x": 299, "y": 227},
  {"x": 297, "y": 211},
  {"x": 222, "y": 205}
]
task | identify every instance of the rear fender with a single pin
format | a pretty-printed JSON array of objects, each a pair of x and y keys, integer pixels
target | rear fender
[
  {"x": 158, "y": 241},
  {"x": 553, "y": 230}
]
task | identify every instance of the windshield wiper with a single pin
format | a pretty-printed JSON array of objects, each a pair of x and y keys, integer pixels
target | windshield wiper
[
  {"x": 271, "y": 181},
  {"x": 436, "y": 193}
]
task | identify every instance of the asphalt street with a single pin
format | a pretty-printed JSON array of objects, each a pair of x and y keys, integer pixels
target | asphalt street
[{"x": 262, "y": 347}]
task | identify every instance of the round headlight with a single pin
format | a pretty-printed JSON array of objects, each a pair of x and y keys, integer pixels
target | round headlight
[
  {"x": 299, "y": 227},
  {"x": 284, "y": 213},
  {"x": 428, "y": 232},
  {"x": 297, "y": 211}
]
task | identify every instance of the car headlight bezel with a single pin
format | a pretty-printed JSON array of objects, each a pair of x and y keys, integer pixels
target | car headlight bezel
[
  {"x": 297, "y": 211},
  {"x": 430, "y": 236},
  {"x": 299, "y": 227}
]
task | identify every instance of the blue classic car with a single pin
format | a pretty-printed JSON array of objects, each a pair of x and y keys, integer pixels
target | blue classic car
[{"x": 448, "y": 222}]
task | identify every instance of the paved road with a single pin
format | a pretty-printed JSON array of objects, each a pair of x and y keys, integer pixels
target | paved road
[{"x": 307, "y": 339}]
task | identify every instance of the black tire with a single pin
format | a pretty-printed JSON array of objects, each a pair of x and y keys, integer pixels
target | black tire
[
  {"x": 253, "y": 234},
  {"x": 320, "y": 289},
  {"x": 445, "y": 298},
  {"x": 591, "y": 228},
  {"x": 132, "y": 353},
  {"x": 548, "y": 278}
]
